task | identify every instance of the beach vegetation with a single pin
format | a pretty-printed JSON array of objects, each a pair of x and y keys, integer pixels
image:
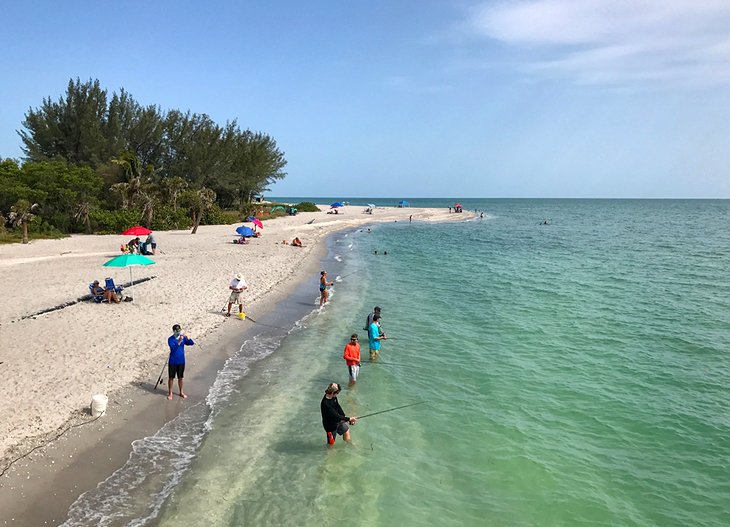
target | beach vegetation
[
  {"x": 101, "y": 162},
  {"x": 307, "y": 206}
]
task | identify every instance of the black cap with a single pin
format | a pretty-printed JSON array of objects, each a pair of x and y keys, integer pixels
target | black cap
[{"x": 176, "y": 327}]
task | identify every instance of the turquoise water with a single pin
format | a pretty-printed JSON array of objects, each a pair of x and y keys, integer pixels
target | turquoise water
[{"x": 573, "y": 374}]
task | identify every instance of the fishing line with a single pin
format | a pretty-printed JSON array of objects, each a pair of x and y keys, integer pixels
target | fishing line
[{"x": 390, "y": 409}]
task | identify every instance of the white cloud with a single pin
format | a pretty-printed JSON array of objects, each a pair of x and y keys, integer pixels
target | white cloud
[{"x": 616, "y": 41}]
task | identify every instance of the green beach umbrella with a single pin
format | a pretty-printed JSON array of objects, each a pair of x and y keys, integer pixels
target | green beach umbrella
[{"x": 129, "y": 260}]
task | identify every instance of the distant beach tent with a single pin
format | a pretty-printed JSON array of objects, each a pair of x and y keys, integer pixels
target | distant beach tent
[
  {"x": 245, "y": 231},
  {"x": 129, "y": 260},
  {"x": 403, "y": 203},
  {"x": 137, "y": 230},
  {"x": 336, "y": 204},
  {"x": 278, "y": 207}
]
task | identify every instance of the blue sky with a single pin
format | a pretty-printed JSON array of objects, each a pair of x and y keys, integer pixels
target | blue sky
[{"x": 420, "y": 98}]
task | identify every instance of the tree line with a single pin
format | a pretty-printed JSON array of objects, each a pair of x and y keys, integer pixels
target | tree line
[{"x": 99, "y": 163}]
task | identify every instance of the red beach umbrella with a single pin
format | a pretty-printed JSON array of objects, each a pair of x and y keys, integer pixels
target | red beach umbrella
[
  {"x": 137, "y": 230},
  {"x": 258, "y": 223}
]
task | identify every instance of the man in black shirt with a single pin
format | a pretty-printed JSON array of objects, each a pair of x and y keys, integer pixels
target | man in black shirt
[{"x": 334, "y": 419}]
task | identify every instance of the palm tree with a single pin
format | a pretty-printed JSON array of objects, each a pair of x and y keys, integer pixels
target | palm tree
[
  {"x": 198, "y": 201},
  {"x": 172, "y": 187},
  {"x": 83, "y": 214},
  {"x": 147, "y": 199},
  {"x": 123, "y": 190},
  {"x": 21, "y": 214}
]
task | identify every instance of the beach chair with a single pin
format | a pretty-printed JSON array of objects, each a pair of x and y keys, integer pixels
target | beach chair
[{"x": 110, "y": 286}]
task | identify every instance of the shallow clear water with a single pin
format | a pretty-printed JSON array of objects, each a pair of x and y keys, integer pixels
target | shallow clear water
[{"x": 573, "y": 374}]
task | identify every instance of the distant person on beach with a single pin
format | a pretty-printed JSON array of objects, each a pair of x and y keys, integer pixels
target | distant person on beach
[
  {"x": 334, "y": 419},
  {"x": 323, "y": 284},
  {"x": 352, "y": 358},
  {"x": 410, "y": 218},
  {"x": 133, "y": 246},
  {"x": 238, "y": 285},
  {"x": 296, "y": 242},
  {"x": 176, "y": 362},
  {"x": 151, "y": 244},
  {"x": 374, "y": 337},
  {"x": 481, "y": 215}
]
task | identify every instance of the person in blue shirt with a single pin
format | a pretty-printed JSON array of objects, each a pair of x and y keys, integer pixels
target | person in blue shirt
[
  {"x": 374, "y": 337},
  {"x": 176, "y": 362}
]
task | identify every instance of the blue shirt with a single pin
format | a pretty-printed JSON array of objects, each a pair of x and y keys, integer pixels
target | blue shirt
[
  {"x": 177, "y": 350},
  {"x": 373, "y": 333}
]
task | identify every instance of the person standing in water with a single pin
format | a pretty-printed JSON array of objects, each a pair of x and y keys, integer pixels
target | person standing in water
[
  {"x": 374, "y": 337},
  {"x": 176, "y": 362},
  {"x": 352, "y": 358},
  {"x": 323, "y": 284},
  {"x": 334, "y": 419}
]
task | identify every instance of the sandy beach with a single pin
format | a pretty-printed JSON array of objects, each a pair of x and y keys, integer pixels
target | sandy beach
[{"x": 52, "y": 364}]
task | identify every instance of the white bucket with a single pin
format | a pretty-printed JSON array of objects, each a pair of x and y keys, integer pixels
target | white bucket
[{"x": 98, "y": 404}]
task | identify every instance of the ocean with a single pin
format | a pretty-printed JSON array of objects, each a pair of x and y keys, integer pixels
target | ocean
[{"x": 574, "y": 373}]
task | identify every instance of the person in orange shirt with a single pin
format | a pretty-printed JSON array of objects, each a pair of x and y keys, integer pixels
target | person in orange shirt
[{"x": 352, "y": 357}]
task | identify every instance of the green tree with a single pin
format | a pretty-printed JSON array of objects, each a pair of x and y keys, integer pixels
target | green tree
[
  {"x": 71, "y": 128},
  {"x": 171, "y": 189}
]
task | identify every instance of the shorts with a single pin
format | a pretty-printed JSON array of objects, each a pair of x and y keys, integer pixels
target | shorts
[
  {"x": 175, "y": 370},
  {"x": 341, "y": 429},
  {"x": 354, "y": 370},
  {"x": 374, "y": 354},
  {"x": 235, "y": 298}
]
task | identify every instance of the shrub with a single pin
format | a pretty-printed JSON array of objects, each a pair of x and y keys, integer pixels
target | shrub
[
  {"x": 306, "y": 206},
  {"x": 166, "y": 218},
  {"x": 113, "y": 221},
  {"x": 217, "y": 216}
]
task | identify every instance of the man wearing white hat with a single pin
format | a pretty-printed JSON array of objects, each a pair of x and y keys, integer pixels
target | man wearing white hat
[{"x": 238, "y": 286}]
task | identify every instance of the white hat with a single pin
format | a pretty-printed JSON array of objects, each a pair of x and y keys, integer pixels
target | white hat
[{"x": 239, "y": 277}]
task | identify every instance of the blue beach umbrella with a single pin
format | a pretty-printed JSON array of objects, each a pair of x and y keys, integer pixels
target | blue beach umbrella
[
  {"x": 336, "y": 204},
  {"x": 129, "y": 260},
  {"x": 244, "y": 231}
]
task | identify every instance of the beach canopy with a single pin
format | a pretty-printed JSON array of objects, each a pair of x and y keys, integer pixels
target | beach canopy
[
  {"x": 278, "y": 207},
  {"x": 137, "y": 230},
  {"x": 129, "y": 260},
  {"x": 371, "y": 205},
  {"x": 403, "y": 203},
  {"x": 245, "y": 231},
  {"x": 336, "y": 204}
]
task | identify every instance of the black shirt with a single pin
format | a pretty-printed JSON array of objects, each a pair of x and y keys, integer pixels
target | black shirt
[{"x": 332, "y": 414}]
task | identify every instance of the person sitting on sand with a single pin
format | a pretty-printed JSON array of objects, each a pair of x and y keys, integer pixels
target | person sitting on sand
[{"x": 296, "y": 242}]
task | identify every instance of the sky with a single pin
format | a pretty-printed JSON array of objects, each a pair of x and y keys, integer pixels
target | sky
[{"x": 419, "y": 98}]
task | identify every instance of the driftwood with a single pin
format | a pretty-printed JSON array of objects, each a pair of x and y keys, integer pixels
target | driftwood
[{"x": 80, "y": 299}]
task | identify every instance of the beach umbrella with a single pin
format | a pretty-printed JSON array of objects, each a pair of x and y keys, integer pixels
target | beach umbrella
[
  {"x": 137, "y": 230},
  {"x": 457, "y": 205},
  {"x": 336, "y": 204},
  {"x": 245, "y": 231},
  {"x": 129, "y": 260},
  {"x": 403, "y": 203},
  {"x": 371, "y": 205},
  {"x": 255, "y": 221}
]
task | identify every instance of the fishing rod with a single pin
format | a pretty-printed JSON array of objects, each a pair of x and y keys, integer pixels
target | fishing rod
[
  {"x": 348, "y": 274},
  {"x": 159, "y": 379},
  {"x": 390, "y": 409}
]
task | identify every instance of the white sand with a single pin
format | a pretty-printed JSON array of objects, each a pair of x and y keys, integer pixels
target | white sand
[{"x": 53, "y": 364}]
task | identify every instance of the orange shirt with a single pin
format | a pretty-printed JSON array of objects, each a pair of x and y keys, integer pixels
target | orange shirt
[{"x": 352, "y": 353}]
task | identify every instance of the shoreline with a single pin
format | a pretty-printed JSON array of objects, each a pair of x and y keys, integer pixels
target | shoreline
[{"x": 77, "y": 461}]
